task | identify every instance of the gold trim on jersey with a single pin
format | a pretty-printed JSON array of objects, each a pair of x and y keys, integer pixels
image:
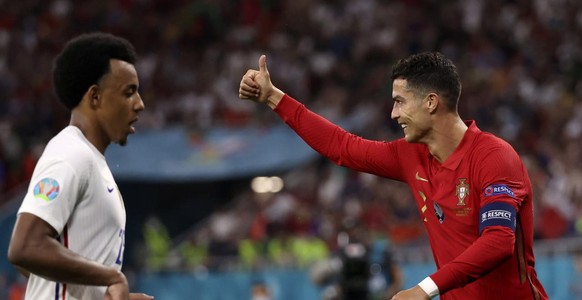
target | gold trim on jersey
[{"x": 424, "y": 208}]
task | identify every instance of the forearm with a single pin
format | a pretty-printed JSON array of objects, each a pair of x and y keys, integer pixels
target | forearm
[
  {"x": 319, "y": 133},
  {"x": 51, "y": 260},
  {"x": 34, "y": 248},
  {"x": 490, "y": 250}
]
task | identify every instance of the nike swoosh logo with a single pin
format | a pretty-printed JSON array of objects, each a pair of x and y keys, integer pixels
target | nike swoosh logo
[
  {"x": 420, "y": 178},
  {"x": 110, "y": 189}
]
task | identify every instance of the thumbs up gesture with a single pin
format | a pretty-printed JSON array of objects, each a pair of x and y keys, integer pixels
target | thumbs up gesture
[{"x": 256, "y": 85}]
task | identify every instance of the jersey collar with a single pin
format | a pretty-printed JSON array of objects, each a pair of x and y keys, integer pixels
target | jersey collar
[{"x": 455, "y": 159}]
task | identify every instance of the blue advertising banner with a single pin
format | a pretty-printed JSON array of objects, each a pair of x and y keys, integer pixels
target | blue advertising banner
[{"x": 175, "y": 154}]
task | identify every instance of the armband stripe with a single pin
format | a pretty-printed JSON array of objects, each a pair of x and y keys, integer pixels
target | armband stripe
[{"x": 497, "y": 214}]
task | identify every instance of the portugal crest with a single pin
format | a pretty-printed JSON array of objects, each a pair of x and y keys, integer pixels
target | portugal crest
[{"x": 462, "y": 191}]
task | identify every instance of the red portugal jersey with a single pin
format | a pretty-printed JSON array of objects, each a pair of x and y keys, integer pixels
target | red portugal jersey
[{"x": 476, "y": 206}]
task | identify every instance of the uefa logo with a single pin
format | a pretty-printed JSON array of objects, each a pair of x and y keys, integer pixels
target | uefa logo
[{"x": 46, "y": 189}]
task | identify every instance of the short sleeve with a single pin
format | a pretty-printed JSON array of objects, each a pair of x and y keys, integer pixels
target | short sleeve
[{"x": 53, "y": 193}]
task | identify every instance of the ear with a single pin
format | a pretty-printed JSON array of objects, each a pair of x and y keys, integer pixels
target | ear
[
  {"x": 433, "y": 101},
  {"x": 93, "y": 95}
]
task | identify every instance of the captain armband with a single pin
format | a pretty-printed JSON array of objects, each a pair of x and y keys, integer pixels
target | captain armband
[{"x": 497, "y": 214}]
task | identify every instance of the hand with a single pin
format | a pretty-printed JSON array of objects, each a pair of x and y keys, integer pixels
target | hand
[
  {"x": 415, "y": 293},
  {"x": 391, "y": 291},
  {"x": 118, "y": 290},
  {"x": 132, "y": 296},
  {"x": 257, "y": 86},
  {"x": 140, "y": 296}
]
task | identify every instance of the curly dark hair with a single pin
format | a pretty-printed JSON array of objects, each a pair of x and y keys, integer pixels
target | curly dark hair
[
  {"x": 84, "y": 61},
  {"x": 430, "y": 72}
]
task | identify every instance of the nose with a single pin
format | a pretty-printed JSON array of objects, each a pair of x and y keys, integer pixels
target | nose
[
  {"x": 140, "y": 105},
  {"x": 395, "y": 114}
]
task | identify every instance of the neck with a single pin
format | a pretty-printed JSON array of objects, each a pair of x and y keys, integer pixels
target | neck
[
  {"x": 86, "y": 123},
  {"x": 446, "y": 136}
]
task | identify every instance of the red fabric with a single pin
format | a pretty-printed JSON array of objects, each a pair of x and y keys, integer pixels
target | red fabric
[{"x": 499, "y": 263}]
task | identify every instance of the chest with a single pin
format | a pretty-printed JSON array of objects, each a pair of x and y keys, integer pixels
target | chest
[
  {"x": 110, "y": 200},
  {"x": 446, "y": 197},
  {"x": 102, "y": 202}
]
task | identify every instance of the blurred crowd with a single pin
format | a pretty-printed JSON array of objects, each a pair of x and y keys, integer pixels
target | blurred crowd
[
  {"x": 520, "y": 63},
  {"x": 310, "y": 220}
]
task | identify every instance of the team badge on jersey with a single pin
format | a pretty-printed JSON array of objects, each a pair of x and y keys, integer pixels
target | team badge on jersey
[
  {"x": 46, "y": 189},
  {"x": 439, "y": 213},
  {"x": 462, "y": 191}
]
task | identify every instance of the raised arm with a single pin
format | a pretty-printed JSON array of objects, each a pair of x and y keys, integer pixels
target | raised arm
[{"x": 330, "y": 140}]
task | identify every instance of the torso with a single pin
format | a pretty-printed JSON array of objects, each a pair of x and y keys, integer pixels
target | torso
[{"x": 88, "y": 212}]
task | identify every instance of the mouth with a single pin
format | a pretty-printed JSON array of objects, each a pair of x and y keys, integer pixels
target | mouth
[
  {"x": 131, "y": 127},
  {"x": 404, "y": 126}
]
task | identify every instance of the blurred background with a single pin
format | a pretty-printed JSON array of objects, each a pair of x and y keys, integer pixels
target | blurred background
[{"x": 224, "y": 201}]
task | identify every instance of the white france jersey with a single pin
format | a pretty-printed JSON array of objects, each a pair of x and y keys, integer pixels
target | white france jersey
[{"x": 73, "y": 190}]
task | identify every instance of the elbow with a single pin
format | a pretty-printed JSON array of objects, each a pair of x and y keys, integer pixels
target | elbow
[
  {"x": 501, "y": 243},
  {"x": 510, "y": 244},
  {"x": 18, "y": 260},
  {"x": 17, "y": 254},
  {"x": 507, "y": 251}
]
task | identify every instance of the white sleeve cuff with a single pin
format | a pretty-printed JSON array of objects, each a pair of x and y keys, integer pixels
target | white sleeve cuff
[{"x": 429, "y": 287}]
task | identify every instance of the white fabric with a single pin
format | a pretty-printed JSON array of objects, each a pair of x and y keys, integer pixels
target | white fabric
[
  {"x": 429, "y": 287},
  {"x": 88, "y": 209}
]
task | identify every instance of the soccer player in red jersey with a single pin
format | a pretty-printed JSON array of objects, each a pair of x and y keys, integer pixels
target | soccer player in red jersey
[{"x": 472, "y": 190}]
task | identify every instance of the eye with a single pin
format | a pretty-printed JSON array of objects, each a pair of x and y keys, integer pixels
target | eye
[{"x": 130, "y": 92}]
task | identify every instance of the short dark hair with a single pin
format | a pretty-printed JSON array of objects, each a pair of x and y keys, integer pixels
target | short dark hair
[
  {"x": 430, "y": 71},
  {"x": 84, "y": 61}
]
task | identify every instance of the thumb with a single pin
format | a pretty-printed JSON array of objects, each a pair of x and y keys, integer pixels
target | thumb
[{"x": 263, "y": 64}]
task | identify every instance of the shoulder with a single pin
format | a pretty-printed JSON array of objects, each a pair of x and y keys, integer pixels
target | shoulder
[
  {"x": 410, "y": 150},
  {"x": 484, "y": 142},
  {"x": 487, "y": 142},
  {"x": 402, "y": 145},
  {"x": 69, "y": 146},
  {"x": 493, "y": 154}
]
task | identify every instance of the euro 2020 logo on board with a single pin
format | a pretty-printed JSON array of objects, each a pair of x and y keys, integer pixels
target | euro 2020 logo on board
[{"x": 46, "y": 189}]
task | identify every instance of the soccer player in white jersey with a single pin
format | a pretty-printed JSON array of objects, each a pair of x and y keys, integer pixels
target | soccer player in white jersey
[{"x": 69, "y": 235}]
